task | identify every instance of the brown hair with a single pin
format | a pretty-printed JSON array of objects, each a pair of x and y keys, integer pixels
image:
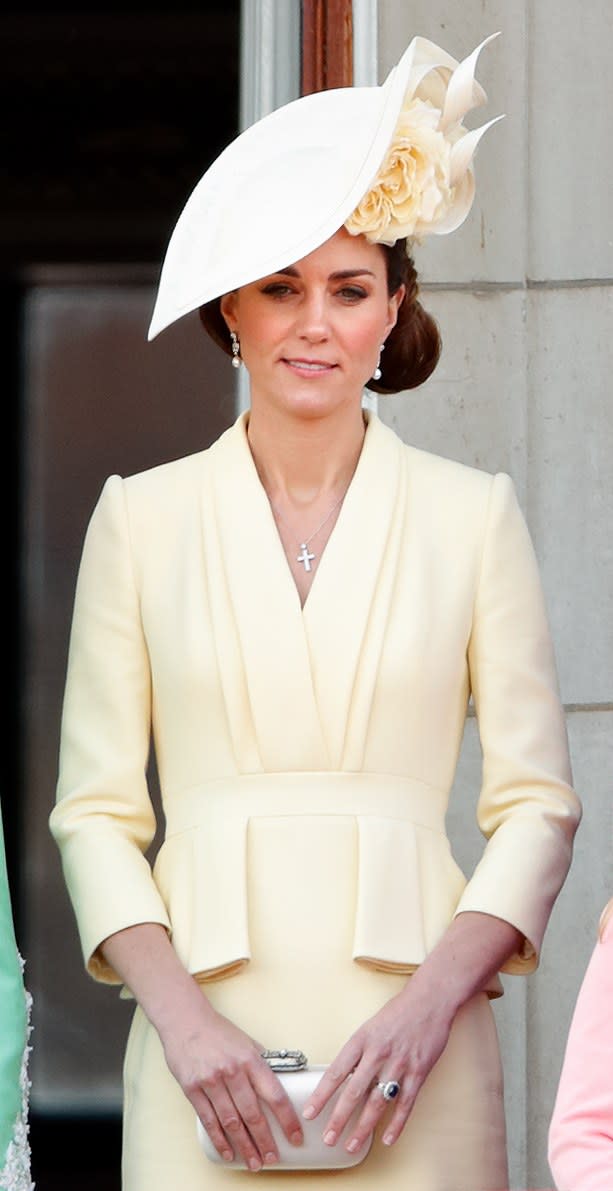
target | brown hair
[{"x": 412, "y": 348}]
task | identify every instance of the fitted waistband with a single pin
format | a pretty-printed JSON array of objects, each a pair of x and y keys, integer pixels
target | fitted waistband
[{"x": 263, "y": 795}]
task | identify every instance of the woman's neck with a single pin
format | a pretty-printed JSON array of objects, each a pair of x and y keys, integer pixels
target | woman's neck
[{"x": 302, "y": 461}]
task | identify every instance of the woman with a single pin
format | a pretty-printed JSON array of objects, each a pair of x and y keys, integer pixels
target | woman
[
  {"x": 14, "y": 1034},
  {"x": 581, "y": 1128},
  {"x": 301, "y": 612}
]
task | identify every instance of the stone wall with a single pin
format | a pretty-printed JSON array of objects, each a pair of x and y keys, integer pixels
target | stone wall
[{"x": 523, "y": 294}]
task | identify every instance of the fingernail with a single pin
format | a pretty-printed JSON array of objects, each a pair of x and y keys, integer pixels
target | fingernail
[
  {"x": 388, "y": 1139},
  {"x": 270, "y": 1158},
  {"x": 227, "y": 1156},
  {"x": 353, "y": 1145},
  {"x": 254, "y": 1164},
  {"x": 309, "y": 1112},
  {"x": 296, "y": 1138},
  {"x": 330, "y": 1137}
]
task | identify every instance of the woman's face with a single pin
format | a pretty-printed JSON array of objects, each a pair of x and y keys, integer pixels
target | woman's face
[{"x": 310, "y": 334}]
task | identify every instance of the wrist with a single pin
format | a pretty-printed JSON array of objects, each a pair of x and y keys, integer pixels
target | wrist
[
  {"x": 176, "y": 998},
  {"x": 471, "y": 951},
  {"x": 437, "y": 989}
]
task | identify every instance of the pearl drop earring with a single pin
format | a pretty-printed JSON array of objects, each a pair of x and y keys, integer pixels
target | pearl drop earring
[
  {"x": 236, "y": 350},
  {"x": 377, "y": 374}
]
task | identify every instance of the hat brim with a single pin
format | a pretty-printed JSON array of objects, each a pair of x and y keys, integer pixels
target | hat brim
[
  {"x": 279, "y": 191},
  {"x": 285, "y": 186}
]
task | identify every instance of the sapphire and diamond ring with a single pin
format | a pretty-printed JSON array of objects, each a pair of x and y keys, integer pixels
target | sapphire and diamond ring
[{"x": 389, "y": 1089}]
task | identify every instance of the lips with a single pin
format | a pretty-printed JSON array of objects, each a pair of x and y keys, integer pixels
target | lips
[{"x": 310, "y": 365}]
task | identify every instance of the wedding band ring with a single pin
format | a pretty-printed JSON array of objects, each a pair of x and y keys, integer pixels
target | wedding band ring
[{"x": 390, "y": 1089}]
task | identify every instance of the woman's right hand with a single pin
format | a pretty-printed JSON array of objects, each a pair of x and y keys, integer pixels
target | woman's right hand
[
  {"x": 218, "y": 1066},
  {"x": 221, "y": 1071}
]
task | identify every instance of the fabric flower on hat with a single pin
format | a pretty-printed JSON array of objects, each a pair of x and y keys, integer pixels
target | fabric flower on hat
[{"x": 425, "y": 184}]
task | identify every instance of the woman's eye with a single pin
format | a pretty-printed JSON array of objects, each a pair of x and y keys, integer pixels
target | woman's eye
[
  {"x": 277, "y": 289},
  {"x": 352, "y": 293}
]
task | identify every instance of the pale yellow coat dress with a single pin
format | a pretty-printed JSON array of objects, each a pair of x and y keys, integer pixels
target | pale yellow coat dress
[{"x": 305, "y": 759}]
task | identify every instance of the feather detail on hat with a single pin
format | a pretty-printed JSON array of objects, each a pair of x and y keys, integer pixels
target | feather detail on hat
[{"x": 425, "y": 185}]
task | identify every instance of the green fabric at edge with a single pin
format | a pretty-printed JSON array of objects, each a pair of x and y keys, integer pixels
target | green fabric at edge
[{"x": 13, "y": 1014}]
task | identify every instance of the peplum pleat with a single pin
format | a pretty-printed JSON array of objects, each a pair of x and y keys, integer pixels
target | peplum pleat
[{"x": 407, "y": 883}]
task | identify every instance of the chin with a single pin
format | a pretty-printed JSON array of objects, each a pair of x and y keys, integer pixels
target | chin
[
  {"x": 307, "y": 401},
  {"x": 311, "y": 402},
  {"x": 312, "y": 407}
]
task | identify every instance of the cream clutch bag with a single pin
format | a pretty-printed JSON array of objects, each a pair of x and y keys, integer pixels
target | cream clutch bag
[{"x": 299, "y": 1080}]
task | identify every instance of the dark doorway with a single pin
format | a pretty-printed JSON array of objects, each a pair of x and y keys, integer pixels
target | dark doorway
[{"x": 111, "y": 116}]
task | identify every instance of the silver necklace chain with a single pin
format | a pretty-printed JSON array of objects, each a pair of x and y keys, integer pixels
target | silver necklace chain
[{"x": 305, "y": 556}]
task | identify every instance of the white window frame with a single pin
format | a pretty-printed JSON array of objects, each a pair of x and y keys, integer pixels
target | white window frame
[{"x": 270, "y": 76}]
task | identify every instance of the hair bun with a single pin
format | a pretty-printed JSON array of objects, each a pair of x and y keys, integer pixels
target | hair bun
[{"x": 413, "y": 347}]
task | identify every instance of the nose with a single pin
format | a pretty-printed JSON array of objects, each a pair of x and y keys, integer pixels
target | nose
[{"x": 312, "y": 322}]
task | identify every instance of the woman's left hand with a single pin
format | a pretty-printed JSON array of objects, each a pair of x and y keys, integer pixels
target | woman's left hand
[
  {"x": 405, "y": 1038},
  {"x": 402, "y": 1042}
]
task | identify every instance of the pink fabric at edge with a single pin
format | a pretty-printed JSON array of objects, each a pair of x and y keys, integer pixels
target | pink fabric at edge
[{"x": 581, "y": 1128}]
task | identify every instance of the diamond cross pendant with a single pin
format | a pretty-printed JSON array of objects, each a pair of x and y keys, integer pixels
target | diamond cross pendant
[{"x": 304, "y": 557}]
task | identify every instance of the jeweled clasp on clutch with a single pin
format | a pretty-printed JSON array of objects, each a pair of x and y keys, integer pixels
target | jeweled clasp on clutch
[{"x": 285, "y": 1060}]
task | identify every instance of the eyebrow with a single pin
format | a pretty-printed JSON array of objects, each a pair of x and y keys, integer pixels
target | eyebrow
[{"x": 340, "y": 275}]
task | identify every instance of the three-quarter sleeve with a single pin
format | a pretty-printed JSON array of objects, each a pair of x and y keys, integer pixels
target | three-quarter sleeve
[
  {"x": 580, "y": 1142},
  {"x": 527, "y": 808},
  {"x": 103, "y": 820}
]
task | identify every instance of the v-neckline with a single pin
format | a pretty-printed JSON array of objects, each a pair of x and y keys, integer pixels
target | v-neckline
[
  {"x": 288, "y": 666},
  {"x": 302, "y": 604}
]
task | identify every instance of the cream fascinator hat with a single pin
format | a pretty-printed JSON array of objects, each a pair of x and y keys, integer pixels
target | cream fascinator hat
[{"x": 388, "y": 162}]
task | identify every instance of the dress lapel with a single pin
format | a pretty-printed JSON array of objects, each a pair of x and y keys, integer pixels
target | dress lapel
[
  {"x": 258, "y": 617},
  {"x": 351, "y": 594}
]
